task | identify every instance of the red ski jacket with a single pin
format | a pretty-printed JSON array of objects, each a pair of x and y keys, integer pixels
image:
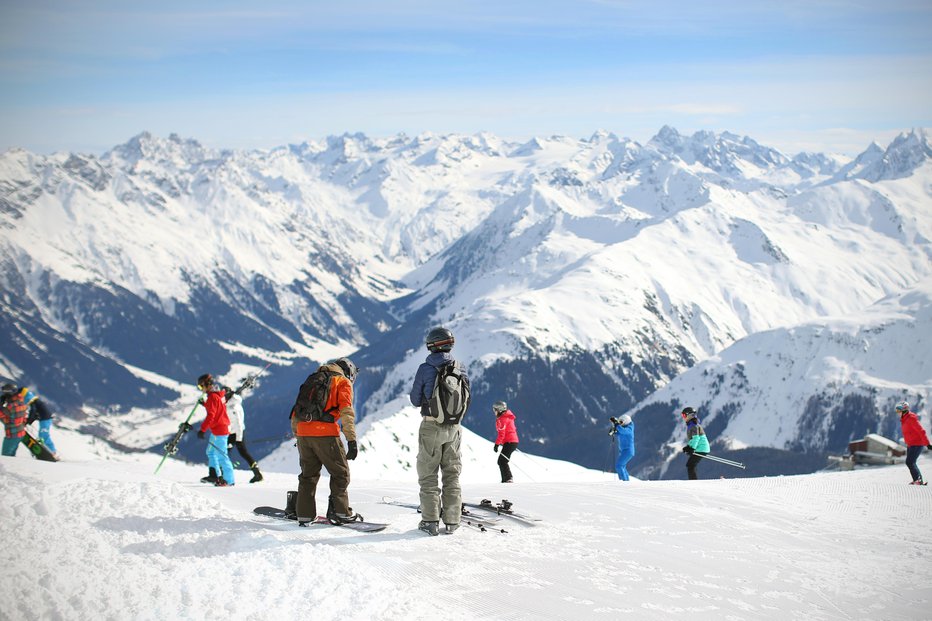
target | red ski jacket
[
  {"x": 505, "y": 426},
  {"x": 13, "y": 414},
  {"x": 913, "y": 433},
  {"x": 217, "y": 421}
]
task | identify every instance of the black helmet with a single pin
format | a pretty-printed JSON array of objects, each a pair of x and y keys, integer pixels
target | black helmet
[
  {"x": 205, "y": 381},
  {"x": 9, "y": 389},
  {"x": 439, "y": 339},
  {"x": 349, "y": 369},
  {"x": 687, "y": 412},
  {"x": 499, "y": 406}
]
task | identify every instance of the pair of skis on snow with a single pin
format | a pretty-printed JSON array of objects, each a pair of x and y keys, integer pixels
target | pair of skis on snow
[{"x": 484, "y": 516}]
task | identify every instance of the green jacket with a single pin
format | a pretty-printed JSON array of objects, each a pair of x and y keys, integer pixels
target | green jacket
[{"x": 695, "y": 436}]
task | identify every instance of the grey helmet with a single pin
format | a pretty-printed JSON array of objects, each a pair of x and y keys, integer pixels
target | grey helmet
[
  {"x": 499, "y": 406},
  {"x": 349, "y": 369},
  {"x": 439, "y": 339},
  {"x": 9, "y": 389}
]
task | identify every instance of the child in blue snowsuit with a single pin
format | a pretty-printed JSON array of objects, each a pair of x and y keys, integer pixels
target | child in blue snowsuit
[{"x": 623, "y": 431}]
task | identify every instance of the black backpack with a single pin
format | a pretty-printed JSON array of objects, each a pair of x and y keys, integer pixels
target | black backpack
[
  {"x": 312, "y": 398},
  {"x": 449, "y": 399}
]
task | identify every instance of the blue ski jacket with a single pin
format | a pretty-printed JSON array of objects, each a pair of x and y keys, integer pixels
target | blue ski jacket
[{"x": 625, "y": 436}]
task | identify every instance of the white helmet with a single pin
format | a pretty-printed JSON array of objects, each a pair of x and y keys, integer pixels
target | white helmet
[
  {"x": 902, "y": 406},
  {"x": 625, "y": 420}
]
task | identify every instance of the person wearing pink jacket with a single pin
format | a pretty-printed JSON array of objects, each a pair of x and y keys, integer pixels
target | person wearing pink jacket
[
  {"x": 915, "y": 438},
  {"x": 507, "y": 438}
]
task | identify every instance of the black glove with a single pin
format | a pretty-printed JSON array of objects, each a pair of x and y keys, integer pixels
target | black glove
[
  {"x": 688, "y": 449},
  {"x": 929, "y": 446},
  {"x": 351, "y": 450},
  {"x": 200, "y": 435},
  {"x": 185, "y": 427},
  {"x": 614, "y": 420},
  {"x": 496, "y": 448}
]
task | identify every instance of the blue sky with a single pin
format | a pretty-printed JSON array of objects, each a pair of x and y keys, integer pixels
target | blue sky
[{"x": 797, "y": 75}]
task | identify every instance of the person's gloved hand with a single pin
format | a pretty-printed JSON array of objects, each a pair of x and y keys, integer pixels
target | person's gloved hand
[
  {"x": 200, "y": 435},
  {"x": 929, "y": 446},
  {"x": 614, "y": 420},
  {"x": 688, "y": 449},
  {"x": 496, "y": 448},
  {"x": 351, "y": 450}
]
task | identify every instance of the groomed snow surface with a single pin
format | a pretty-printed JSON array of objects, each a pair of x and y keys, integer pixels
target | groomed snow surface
[{"x": 99, "y": 536}]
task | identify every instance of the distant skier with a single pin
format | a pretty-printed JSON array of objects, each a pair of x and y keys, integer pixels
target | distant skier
[
  {"x": 438, "y": 443},
  {"x": 215, "y": 429},
  {"x": 697, "y": 443},
  {"x": 915, "y": 438},
  {"x": 238, "y": 432},
  {"x": 507, "y": 438},
  {"x": 623, "y": 432},
  {"x": 38, "y": 410},
  {"x": 13, "y": 413}
]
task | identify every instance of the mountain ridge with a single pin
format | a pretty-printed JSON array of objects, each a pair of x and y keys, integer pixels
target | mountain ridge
[{"x": 595, "y": 261}]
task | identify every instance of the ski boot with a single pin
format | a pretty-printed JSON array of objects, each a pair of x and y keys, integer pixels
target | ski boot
[
  {"x": 431, "y": 528},
  {"x": 451, "y": 528},
  {"x": 291, "y": 506},
  {"x": 210, "y": 478},
  {"x": 256, "y": 475},
  {"x": 336, "y": 518}
]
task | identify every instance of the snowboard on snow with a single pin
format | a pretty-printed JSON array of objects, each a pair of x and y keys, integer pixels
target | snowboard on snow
[
  {"x": 360, "y": 526},
  {"x": 38, "y": 449}
]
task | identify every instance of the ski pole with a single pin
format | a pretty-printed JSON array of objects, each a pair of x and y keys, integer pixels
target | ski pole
[
  {"x": 736, "y": 464},
  {"x": 235, "y": 463},
  {"x": 518, "y": 468}
]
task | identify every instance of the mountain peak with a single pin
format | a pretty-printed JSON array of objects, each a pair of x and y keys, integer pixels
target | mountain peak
[
  {"x": 905, "y": 154},
  {"x": 180, "y": 153}
]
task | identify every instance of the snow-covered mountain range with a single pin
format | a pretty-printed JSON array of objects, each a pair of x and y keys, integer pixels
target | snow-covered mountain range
[{"x": 579, "y": 277}]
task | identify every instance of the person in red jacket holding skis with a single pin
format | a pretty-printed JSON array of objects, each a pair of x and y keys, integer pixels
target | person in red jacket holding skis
[
  {"x": 215, "y": 429},
  {"x": 915, "y": 438},
  {"x": 507, "y": 438}
]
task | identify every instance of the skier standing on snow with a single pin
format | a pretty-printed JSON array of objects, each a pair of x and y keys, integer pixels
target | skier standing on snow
[
  {"x": 13, "y": 413},
  {"x": 38, "y": 410},
  {"x": 623, "y": 432},
  {"x": 697, "y": 443},
  {"x": 507, "y": 438},
  {"x": 238, "y": 432},
  {"x": 438, "y": 444},
  {"x": 215, "y": 429},
  {"x": 915, "y": 438},
  {"x": 319, "y": 445}
]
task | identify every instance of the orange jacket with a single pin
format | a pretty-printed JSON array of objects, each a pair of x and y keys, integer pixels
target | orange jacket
[{"x": 341, "y": 402}]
